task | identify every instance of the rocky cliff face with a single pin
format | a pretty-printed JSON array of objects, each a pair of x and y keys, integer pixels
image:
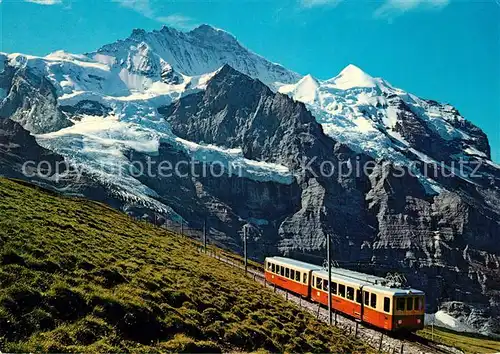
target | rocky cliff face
[
  {"x": 17, "y": 146},
  {"x": 30, "y": 100},
  {"x": 376, "y": 220}
]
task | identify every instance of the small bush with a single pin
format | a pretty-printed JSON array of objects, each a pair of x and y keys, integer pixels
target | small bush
[
  {"x": 183, "y": 344},
  {"x": 67, "y": 303},
  {"x": 11, "y": 257},
  {"x": 111, "y": 276},
  {"x": 90, "y": 330}
]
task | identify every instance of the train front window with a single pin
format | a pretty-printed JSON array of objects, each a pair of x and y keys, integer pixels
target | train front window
[
  {"x": 342, "y": 290},
  {"x": 409, "y": 304},
  {"x": 373, "y": 301},
  {"x": 400, "y": 304},
  {"x": 350, "y": 293},
  {"x": 387, "y": 304},
  {"x": 273, "y": 268}
]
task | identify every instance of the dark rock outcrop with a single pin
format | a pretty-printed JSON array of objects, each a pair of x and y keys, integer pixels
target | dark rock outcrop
[
  {"x": 87, "y": 107},
  {"x": 30, "y": 100},
  {"x": 17, "y": 147}
]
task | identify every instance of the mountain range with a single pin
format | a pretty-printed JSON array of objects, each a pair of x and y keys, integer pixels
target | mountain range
[{"x": 428, "y": 206}]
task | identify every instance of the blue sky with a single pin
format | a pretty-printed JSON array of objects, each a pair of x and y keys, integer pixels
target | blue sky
[{"x": 447, "y": 50}]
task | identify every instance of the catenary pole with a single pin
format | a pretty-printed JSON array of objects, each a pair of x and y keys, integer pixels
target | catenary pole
[
  {"x": 245, "y": 246},
  {"x": 329, "y": 280},
  {"x": 205, "y": 235}
]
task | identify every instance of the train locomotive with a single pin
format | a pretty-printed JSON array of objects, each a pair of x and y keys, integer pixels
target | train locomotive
[{"x": 367, "y": 298}]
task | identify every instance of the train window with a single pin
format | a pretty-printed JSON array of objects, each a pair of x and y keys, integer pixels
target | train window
[
  {"x": 273, "y": 268},
  {"x": 373, "y": 300},
  {"x": 367, "y": 298},
  {"x": 297, "y": 276},
  {"x": 342, "y": 290},
  {"x": 334, "y": 288},
  {"x": 277, "y": 269},
  {"x": 282, "y": 271},
  {"x": 409, "y": 304},
  {"x": 304, "y": 277},
  {"x": 358, "y": 296},
  {"x": 292, "y": 274},
  {"x": 350, "y": 293},
  {"x": 418, "y": 303},
  {"x": 319, "y": 283},
  {"x": 387, "y": 304},
  {"x": 325, "y": 285},
  {"x": 400, "y": 304},
  {"x": 287, "y": 272}
]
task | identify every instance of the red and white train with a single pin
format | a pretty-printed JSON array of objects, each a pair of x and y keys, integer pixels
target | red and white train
[{"x": 358, "y": 295}]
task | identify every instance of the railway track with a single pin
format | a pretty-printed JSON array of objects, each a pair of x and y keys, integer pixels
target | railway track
[
  {"x": 426, "y": 343},
  {"x": 379, "y": 340}
]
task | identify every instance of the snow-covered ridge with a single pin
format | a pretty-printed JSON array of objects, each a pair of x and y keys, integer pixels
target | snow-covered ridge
[
  {"x": 234, "y": 163},
  {"x": 364, "y": 112},
  {"x": 202, "y": 50}
]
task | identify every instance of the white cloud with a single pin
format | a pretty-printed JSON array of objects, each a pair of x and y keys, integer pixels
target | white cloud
[
  {"x": 316, "y": 3},
  {"x": 44, "y": 2},
  {"x": 141, "y": 6},
  {"x": 176, "y": 20},
  {"x": 144, "y": 8},
  {"x": 394, "y": 8}
]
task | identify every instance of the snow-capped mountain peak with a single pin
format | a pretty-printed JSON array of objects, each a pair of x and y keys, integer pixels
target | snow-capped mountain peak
[
  {"x": 351, "y": 76},
  {"x": 205, "y": 31},
  {"x": 306, "y": 90},
  {"x": 202, "y": 50}
]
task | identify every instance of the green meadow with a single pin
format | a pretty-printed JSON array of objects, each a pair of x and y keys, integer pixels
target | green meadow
[{"x": 78, "y": 276}]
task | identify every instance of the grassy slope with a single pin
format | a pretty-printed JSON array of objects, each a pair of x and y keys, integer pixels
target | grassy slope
[
  {"x": 79, "y": 276},
  {"x": 467, "y": 342}
]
